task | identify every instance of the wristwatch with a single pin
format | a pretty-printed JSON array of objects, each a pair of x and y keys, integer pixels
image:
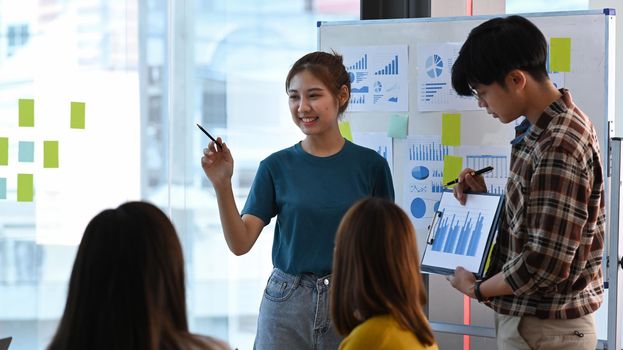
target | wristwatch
[{"x": 477, "y": 293}]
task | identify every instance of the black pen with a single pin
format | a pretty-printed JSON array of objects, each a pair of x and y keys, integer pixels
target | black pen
[
  {"x": 473, "y": 173},
  {"x": 210, "y": 136}
]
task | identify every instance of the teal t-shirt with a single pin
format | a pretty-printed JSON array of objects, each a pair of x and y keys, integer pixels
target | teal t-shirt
[{"x": 309, "y": 195}]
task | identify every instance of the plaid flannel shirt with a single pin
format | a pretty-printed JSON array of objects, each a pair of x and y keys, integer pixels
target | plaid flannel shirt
[{"x": 551, "y": 236}]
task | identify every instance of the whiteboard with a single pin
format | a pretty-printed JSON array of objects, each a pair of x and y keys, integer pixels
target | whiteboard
[{"x": 591, "y": 82}]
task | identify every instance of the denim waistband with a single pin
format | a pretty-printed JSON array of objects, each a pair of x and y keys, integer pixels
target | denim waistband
[{"x": 309, "y": 280}]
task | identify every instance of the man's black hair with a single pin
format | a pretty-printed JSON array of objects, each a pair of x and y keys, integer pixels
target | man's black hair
[{"x": 495, "y": 48}]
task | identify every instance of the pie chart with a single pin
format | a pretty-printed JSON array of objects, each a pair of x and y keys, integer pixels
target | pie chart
[
  {"x": 378, "y": 87},
  {"x": 419, "y": 172},
  {"x": 418, "y": 208},
  {"x": 434, "y": 66}
]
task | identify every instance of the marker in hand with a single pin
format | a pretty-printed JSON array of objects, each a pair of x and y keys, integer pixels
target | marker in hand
[
  {"x": 473, "y": 173},
  {"x": 210, "y": 136}
]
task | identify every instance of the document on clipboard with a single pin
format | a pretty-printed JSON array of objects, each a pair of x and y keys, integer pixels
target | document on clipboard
[{"x": 462, "y": 235}]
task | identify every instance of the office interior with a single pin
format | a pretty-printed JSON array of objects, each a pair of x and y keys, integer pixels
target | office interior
[{"x": 146, "y": 71}]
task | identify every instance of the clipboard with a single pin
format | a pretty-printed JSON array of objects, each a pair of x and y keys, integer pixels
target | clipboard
[{"x": 462, "y": 235}]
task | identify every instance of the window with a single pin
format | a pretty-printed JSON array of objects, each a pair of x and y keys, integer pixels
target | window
[
  {"x": 221, "y": 63},
  {"x": 527, "y": 6},
  {"x": 231, "y": 58},
  {"x": 58, "y": 60}
]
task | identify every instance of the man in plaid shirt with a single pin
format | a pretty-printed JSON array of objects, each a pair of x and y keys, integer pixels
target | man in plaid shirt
[{"x": 545, "y": 279}]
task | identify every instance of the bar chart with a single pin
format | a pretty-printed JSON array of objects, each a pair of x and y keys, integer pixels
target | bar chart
[
  {"x": 498, "y": 162},
  {"x": 459, "y": 236},
  {"x": 362, "y": 63},
  {"x": 390, "y": 69},
  {"x": 437, "y": 187},
  {"x": 361, "y": 99},
  {"x": 429, "y": 90},
  {"x": 432, "y": 151},
  {"x": 382, "y": 150},
  {"x": 496, "y": 189}
]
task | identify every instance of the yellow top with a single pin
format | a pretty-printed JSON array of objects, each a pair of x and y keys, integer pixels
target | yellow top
[{"x": 382, "y": 332}]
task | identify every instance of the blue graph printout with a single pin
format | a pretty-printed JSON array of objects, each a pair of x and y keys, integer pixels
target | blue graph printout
[
  {"x": 434, "y": 67},
  {"x": 423, "y": 173},
  {"x": 498, "y": 157},
  {"x": 378, "y": 77},
  {"x": 377, "y": 141},
  {"x": 461, "y": 235}
]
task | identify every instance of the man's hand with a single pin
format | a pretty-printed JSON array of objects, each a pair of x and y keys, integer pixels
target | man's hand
[
  {"x": 463, "y": 281},
  {"x": 468, "y": 182}
]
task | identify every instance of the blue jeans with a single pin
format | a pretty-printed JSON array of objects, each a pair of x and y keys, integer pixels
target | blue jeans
[{"x": 294, "y": 314}]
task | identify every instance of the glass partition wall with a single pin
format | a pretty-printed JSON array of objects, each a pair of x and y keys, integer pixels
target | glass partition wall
[
  {"x": 224, "y": 65},
  {"x": 114, "y": 90}
]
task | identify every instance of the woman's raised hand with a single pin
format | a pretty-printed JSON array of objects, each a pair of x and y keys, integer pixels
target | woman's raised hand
[{"x": 217, "y": 163}]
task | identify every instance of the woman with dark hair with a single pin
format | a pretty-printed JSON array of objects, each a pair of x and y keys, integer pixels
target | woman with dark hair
[
  {"x": 378, "y": 294},
  {"x": 127, "y": 286},
  {"x": 307, "y": 187}
]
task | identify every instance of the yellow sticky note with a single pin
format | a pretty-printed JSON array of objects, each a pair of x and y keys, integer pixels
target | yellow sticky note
[
  {"x": 452, "y": 166},
  {"x": 451, "y": 129},
  {"x": 345, "y": 130},
  {"x": 26, "y": 112},
  {"x": 50, "y": 154},
  {"x": 24, "y": 187},
  {"x": 488, "y": 262},
  {"x": 77, "y": 115},
  {"x": 398, "y": 124},
  {"x": 560, "y": 54}
]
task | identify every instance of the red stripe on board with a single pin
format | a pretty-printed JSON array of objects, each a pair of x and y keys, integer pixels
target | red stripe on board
[
  {"x": 470, "y": 7},
  {"x": 466, "y": 319}
]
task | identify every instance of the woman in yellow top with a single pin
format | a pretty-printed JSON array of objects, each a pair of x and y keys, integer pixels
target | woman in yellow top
[{"x": 378, "y": 293}]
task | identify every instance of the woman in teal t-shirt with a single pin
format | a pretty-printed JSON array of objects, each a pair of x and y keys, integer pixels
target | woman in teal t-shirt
[{"x": 308, "y": 187}]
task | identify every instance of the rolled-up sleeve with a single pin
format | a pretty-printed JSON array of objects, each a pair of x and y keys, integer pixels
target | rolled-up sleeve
[{"x": 557, "y": 200}]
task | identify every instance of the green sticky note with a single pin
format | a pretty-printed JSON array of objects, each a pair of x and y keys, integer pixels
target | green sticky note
[
  {"x": 451, "y": 129},
  {"x": 24, "y": 187},
  {"x": 345, "y": 130},
  {"x": 398, "y": 126},
  {"x": 452, "y": 166},
  {"x": 77, "y": 115},
  {"x": 560, "y": 54},
  {"x": 4, "y": 151},
  {"x": 50, "y": 154},
  {"x": 26, "y": 152},
  {"x": 26, "y": 112}
]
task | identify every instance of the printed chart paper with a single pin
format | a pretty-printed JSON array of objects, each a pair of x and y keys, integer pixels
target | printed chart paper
[
  {"x": 435, "y": 92},
  {"x": 377, "y": 141},
  {"x": 423, "y": 175},
  {"x": 478, "y": 157},
  {"x": 462, "y": 234},
  {"x": 378, "y": 77}
]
